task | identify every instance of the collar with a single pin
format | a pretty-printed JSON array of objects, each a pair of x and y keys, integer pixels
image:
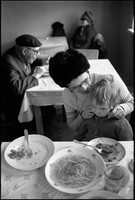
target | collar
[{"x": 100, "y": 118}]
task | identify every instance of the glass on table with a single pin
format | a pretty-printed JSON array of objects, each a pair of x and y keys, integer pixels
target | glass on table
[
  {"x": 113, "y": 178},
  {"x": 47, "y": 60}
]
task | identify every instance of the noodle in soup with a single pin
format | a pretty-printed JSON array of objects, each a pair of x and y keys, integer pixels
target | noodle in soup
[{"x": 73, "y": 171}]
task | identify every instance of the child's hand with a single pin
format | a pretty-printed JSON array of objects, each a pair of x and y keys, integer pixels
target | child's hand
[{"x": 88, "y": 113}]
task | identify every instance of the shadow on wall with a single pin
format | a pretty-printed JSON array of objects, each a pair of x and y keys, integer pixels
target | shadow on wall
[{"x": 6, "y": 46}]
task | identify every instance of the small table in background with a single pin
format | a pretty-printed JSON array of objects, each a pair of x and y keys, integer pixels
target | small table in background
[{"x": 52, "y": 45}]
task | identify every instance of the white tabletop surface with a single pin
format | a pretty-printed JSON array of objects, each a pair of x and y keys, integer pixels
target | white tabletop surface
[{"x": 16, "y": 184}]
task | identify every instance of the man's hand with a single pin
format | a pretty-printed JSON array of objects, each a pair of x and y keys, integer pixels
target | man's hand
[{"x": 38, "y": 72}]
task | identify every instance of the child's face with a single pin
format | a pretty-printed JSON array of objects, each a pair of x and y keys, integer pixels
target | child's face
[{"x": 101, "y": 110}]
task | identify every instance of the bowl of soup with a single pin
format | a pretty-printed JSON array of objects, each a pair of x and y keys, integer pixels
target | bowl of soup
[{"x": 74, "y": 169}]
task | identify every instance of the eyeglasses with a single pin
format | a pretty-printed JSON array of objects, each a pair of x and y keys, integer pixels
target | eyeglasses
[
  {"x": 35, "y": 51},
  {"x": 84, "y": 84}
]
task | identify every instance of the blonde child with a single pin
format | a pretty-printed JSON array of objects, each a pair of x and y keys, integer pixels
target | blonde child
[{"x": 104, "y": 96}]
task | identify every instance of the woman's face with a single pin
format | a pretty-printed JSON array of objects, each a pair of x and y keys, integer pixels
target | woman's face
[
  {"x": 81, "y": 83},
  {"x": 101, "y": 110}
]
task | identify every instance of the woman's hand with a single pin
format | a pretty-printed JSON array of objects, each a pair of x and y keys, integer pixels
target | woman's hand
[
  {"x": 117, "y": 112},
  {"x": 88, "y": 113}
]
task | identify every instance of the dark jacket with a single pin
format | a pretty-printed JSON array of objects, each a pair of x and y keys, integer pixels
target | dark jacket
[
  {"x": 15, "y": 81},
  {"x": 98, "y": 42},
  {"x": 82, "y": 38}
]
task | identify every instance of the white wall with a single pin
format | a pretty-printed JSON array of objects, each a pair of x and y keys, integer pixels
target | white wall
[{"x": 36, "y": 18}]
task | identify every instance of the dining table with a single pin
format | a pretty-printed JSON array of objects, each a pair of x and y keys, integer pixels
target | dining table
[
  {"x": 52, "y": 45},
  {"x": 47, "y": 92},
  {"x": 20, "y": 184}
]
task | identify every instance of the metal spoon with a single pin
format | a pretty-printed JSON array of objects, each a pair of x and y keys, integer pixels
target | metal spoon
[
  {"x": 96, "y": 149},
  {"x": 28, "y": 149}
]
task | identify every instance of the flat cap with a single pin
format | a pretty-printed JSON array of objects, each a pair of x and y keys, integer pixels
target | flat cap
[{"x": 28, "y": 41}]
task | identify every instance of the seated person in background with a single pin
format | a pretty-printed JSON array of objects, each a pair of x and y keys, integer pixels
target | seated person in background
[
  {"x": 18, "y": 74},
  {"x": 58, "y": 29},
  {"x": 71, "y": 69},
  {"x": 99, "y": 43},
  {"x": 104, "y": 96},
  {"x": 84, "y": 34}
]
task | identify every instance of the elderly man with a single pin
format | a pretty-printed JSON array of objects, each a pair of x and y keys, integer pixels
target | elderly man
[{"x": 18, "y": 65}]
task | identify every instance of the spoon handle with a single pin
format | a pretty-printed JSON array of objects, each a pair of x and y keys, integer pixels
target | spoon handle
[
  {"x": 28, "y": 149},
  {"x": 26, "y": 136},
  {"x": 76, "y": 141}
]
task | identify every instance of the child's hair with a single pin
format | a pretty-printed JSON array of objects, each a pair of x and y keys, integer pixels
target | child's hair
[{"x": 105, "y": 92}]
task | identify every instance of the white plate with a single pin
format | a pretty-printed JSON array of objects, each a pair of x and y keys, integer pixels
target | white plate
[
  {"x": 100, "y": 194},
  {"x": 45, "y": 74},
  {"x": 71, "y": 170},
  {"x": 118, "y": 153},
  {"x": 42, "y": 147}
]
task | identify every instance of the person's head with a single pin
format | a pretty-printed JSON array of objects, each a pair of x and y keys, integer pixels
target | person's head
[
  {"x": 84, "y": 22},
  {"x": 69, "y": 69},
  {"x": 87, "y": 18},
  {"x": 28, "y": 47},
  {"x": 104, "y": 96}
]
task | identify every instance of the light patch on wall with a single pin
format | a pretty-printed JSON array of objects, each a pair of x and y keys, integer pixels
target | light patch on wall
[{"x": 132, "y": 27}]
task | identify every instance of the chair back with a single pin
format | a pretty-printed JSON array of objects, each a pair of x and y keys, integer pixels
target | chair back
[
  {"x": 90, "y": 54},
  {"x": 100, "y": 44}
]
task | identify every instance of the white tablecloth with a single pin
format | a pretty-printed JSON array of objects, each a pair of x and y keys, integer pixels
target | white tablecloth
[
  {"x": 46, "y": 93},
  {"x": 17, "y": 184}
]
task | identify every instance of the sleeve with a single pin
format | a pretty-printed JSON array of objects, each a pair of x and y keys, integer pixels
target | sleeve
[
  {"x": 126, "y": 98},
  {"x": 74, "y": 119},
  {"x": 17, "y": 79},
  {"x": 124, "y": 130},
  {"x": 90, "y": 33},
  {"x": 80, "y": 135},
  {"x": 73, "y": 39}
]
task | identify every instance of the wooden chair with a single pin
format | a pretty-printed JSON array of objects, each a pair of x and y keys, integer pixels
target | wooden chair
[{"x": 91, "y": 54}]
